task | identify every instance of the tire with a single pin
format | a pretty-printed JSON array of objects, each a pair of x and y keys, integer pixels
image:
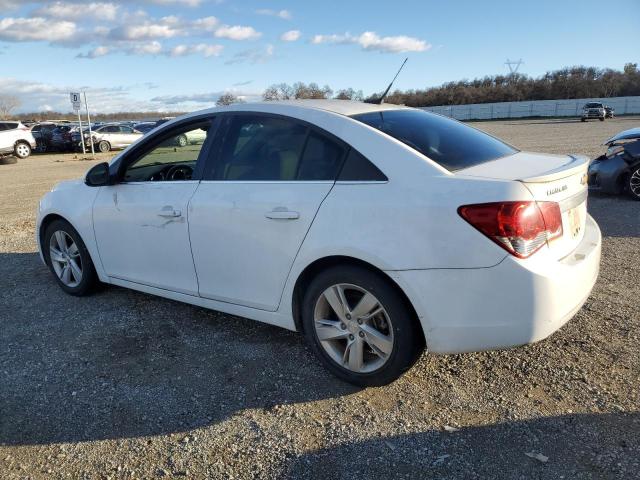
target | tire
[
  {"x": 182, "y": 140},
  {"x": 103, "y": 146},
  {"x": 22, "y": 150},
  {"x": 633, "y": 182},
  {"x": 395, "y": 328},
  {"x": 583, "y": 119},
  {"x": 60, "y": 231}
]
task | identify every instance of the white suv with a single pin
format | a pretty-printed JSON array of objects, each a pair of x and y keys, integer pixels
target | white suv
[{"x": 16, "y": 139}]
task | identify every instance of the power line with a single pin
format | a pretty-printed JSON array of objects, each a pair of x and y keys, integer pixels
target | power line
[{"x": 513, "y": 65}]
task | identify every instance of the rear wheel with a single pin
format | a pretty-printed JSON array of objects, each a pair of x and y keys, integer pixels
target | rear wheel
[
  {"x": 360, "y": 327},
  {"x": 182, "y": 140},
  {"x": 633, "y": 183},
  {"x": 68, "y": 259},
  {"x": 104, "y": 146},
  {"x": 22, "y": 150}
]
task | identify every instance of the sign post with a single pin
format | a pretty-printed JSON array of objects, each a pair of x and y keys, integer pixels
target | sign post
[
  {"x": 75, "y": 101},
  {"x": 86, "y": 105}
]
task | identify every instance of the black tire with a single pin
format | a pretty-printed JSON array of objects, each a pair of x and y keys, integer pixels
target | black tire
[
  {"x": 408, "y": 339},
  {"x": 104, "y": 147},
  {"x": 632, "y": 182},
  {"x": 89, "y": 277},
  {"x": 22, "y": 149},
  {"x": 602, "y": 119},
  {"x": 583, "y": 119},
  {"x": 182, "y": 140}
]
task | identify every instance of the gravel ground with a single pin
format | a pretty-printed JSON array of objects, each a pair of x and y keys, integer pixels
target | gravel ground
[{"x": 125, "y": 385}]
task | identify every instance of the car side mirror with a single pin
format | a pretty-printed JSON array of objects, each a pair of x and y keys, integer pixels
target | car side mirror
[{"x": 98, "y": 176}]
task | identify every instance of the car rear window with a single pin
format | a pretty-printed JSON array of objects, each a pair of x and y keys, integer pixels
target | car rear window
[{"x": 451, "y": 144}]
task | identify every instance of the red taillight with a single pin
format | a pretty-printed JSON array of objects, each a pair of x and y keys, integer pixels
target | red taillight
[{"x": 521, "y": 228}]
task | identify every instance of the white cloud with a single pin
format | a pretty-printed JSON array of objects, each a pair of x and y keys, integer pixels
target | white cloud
[
  {"x": 204, "y": 49},
  {"x": 146, "y": 31},
  {"x": 35, "y": 29},
  {"x": 207, "y": 24},
  {"x": 204, "y": 99},
  {"x": 71, "y": 11},
  {"x": 95, "y": 53},
  {"x": 252, "y": 56},
  {"x": 237, "y": 32},
  {"x": 290, "y": 36},
  {"x": 188, "y": 3},
  {"x": 372, "y": 41},
  {"x": 284, "y": 14},
  {"x": 147, "y": 48}
]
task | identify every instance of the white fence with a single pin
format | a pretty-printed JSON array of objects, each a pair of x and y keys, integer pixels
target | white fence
[{"x": 534, "y": 108}]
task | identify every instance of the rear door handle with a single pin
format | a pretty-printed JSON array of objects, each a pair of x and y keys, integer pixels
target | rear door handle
[
  {"x": 169, "y": 212},
  {"x": 278, "y": 214}
]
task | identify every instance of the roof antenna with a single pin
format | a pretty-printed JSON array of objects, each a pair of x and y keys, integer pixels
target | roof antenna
[{"x": 380, "y": 101}]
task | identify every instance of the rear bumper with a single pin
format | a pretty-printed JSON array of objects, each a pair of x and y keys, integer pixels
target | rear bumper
[{"x": 513, "y": 303}]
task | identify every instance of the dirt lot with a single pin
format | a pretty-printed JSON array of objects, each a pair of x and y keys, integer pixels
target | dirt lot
[{"x": 125, "y": 385}]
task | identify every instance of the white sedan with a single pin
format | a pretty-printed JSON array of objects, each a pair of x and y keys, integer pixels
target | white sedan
[{"x": 373, "y": 229}]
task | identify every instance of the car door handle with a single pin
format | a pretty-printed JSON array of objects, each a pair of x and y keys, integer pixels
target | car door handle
[
  {"x": 169, "y": 212},
  {"x": 281, "y": 214}
]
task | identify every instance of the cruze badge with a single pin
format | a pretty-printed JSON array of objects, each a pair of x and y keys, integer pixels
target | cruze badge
[
  {"x": 555, "y": 190},
  {"x": 584, "y": 179}
]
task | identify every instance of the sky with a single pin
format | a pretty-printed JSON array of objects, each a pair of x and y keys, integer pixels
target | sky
[{"x": 181, "y": 55}]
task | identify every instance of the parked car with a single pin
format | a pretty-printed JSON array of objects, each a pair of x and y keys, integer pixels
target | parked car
[
  {"x": 16, "y": 139},
  {"x": 593, "y": 110},
  {"x": 189, "y": 138},
  {"x": 608, "y": 111},
  {"x": 61, "y": 138},
  {"x": 109, "y": 137},
  {"x": 144, "y": 127},
  {"x": 618, "y": 170},
  {"x": 372, "y": 229},
  {"x": 42, "y": 132}
]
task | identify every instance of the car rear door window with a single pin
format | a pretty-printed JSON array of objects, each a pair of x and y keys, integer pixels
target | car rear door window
[
  {"x": 450, "y": 143},
  {"x": 321, "y": 158}
]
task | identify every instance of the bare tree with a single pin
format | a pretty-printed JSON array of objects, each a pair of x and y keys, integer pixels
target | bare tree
[
  {"x": 349, "y": 94},
  {"x": 8, "y": 103},
  {"x": 228, "y": 99},
  {"x": 301, "y": 90},
  {"x": 281, "y": 91}
]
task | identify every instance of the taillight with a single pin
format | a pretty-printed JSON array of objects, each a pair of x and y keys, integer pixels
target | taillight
[{"x": 521, "y": 228}]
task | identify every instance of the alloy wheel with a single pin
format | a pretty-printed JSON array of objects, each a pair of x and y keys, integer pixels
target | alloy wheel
[
  {"x": 634, "y": 183},
  {"x": 65, "y": 258},
  {"x": 22, "y": 150},
  {"x": 353, "y": 328}
]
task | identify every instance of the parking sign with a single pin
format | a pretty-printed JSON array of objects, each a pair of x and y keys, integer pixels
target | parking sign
[{"x": 75, "y": 100}]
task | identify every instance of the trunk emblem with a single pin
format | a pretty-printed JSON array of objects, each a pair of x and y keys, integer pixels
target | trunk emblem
[{"x": 555, "y": 190}]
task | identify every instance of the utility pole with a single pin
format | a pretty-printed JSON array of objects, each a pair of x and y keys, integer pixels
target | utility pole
[
  {"x": 86, "y": 105},
  {"x": 513, "y": 65}
]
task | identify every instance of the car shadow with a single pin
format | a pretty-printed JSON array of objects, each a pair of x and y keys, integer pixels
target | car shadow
[
  {"x": 572, "y": 446},
  {"x": 122, "y": 364},
  {"x": 617, "y": 215}
]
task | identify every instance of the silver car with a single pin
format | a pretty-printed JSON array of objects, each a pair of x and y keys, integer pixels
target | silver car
[{"x": 110, "y": 137}]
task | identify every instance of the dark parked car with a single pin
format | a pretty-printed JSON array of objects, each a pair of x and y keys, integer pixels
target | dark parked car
[
  {"x": 145, "y": 127},
  {"x": 618, "y": 170},
  {"x": 42, "y": 132},
  {"x": 61, "y": 138},
  {"x": 608, "y": 111}
]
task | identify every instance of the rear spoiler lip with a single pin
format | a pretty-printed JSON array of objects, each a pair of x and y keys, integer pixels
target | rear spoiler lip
[{"x": 575, "y": 165}]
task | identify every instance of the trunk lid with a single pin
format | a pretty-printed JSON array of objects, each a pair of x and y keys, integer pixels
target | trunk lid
[{"x": 549, "y": 178}]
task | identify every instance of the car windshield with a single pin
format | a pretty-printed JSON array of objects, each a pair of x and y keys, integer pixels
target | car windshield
[
  {"x": 593, "y": 105},
  {"x": 451, "y": 144}
]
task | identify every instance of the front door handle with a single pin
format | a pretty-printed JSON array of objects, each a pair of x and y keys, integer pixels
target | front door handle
[
  {"x": 169, "y": 212},
  {"x": 282, "y": 214}
]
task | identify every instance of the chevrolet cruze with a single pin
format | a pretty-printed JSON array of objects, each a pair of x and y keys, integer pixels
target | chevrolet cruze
[{"x": 375, "y": 230}]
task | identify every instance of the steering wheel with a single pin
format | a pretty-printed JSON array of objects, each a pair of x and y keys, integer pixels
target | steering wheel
[{"x": 179, "y": 172}]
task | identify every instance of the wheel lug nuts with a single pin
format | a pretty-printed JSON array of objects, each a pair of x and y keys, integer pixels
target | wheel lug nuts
[
  {"x": 359, "y": 321},
  {"x": 351, "y": 337},
  {"x": 361, "y": 334},
  {"x": 343, "y": 326},
  {"x": 348, "y": 315}
]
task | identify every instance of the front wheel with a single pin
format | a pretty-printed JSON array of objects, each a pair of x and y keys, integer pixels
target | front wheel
[
  {"x": 22, "y": 150},
  {"x": 104, "y": 146},
  {"x": 633, "y": 184},
  {"x": 360, "y": 326},
  {"x": 68, "y": 258},
  {"x": 182, "y": 140},
  {"x": 602, "y": 119},
  {"x": 583, "y": 119}
]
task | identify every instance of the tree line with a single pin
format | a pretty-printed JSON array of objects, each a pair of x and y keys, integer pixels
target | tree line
[{"x": 566, "y": 83}]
